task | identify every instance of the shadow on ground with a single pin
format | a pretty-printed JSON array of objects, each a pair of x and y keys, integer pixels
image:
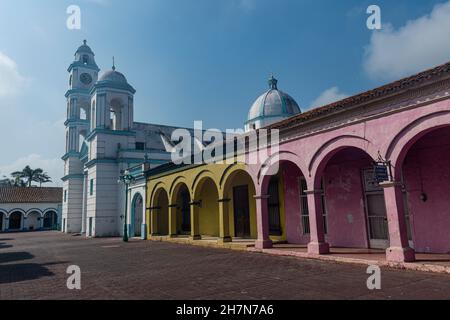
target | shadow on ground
[{"x": 11, "y": 273}]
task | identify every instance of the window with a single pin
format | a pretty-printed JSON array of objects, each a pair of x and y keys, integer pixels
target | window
[
  {"x": 85, "y": 59},
  {"x": 304, "y": 206},
  {"x": 91, "y": 187},
  {"x": 305, "y": 209},
  {"x": 274, "y": 208},
  {"x": 65, "y": 195},
  {"x": 140, "y": 145}
]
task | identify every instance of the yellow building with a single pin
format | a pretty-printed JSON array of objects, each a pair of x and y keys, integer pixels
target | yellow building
[{"x": 205, "y": 201}]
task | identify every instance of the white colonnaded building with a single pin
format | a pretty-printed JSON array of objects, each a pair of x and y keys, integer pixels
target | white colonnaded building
[{"x": 102, "y": 141}]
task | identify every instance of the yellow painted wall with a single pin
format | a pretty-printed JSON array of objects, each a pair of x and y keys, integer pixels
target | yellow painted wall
[
  {"x": 194, "y": 177},
  {"x": 209, "y": 211}
]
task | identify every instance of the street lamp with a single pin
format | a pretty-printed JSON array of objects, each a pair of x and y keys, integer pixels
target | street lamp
[{"x": 126, "y": 178}]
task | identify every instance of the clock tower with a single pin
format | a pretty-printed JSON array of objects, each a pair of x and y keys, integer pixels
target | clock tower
[{"x": 83, "y": 74}]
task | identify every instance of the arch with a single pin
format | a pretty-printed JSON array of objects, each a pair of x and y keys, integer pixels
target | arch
[
  {"x": 181, "y": 198},
  {"x": 14, "y": 210},
  {"x": 160, "y": 212},
  {"x": 207, "y": 193},
  {"x": 200, "y": 177},
  {"x": 270, "y": 168},
  {"x": 156, "y": 189},
  {"x": 332, "y": 146},
  {"x": 33, "y": 220},
  {"x": 176, "y": 183},
  {"x": 16, "y": 218},
  {"x": 423, "y": 168},
  {"x": 351, "y": 202},
  {"x": 407, "y": 136},
  {"x": 239, "y": 189},
  {"x": 136, "y": 217},
  {"x": 33, "y": 210},
  {"x": 50, "y": 219},
  {"x": 48, "y": 210}
]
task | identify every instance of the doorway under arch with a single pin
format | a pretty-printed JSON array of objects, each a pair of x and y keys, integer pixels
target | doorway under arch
[
  {"x": 50, "y": 220},
  {"x": 182, "y": 201},
  {"x": 15, "y": 221},
  {"x": 136, "y": 215},
  {"x": 426, "y": 179}
]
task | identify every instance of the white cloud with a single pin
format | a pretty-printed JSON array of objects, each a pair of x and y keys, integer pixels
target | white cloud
[
  {"x": 10, "y": 78},
  {"x": 328, "y": 96},
  {"x": 418, "y": 45},
  {"x": 53, "y": 167}
]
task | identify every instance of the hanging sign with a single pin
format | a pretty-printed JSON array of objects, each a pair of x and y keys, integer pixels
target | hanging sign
[{"x": 381, "y": 171}]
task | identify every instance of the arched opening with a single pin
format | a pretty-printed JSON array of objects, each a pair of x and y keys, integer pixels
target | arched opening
[
  {"x": 2, "y": 223},
  {"x": 50, "y": 220},
  {"x": 33, "y": 221},
  {"x": 240, "y": 190},
  {"x": 182, "y": 201},
  {"x": 287, "y": 203},
  {"x": 207, "y": 197},
  {"x": 426, "y": 180},
  {"x": 161, "y": 213},
  {"x": 15, "y": 221},
  {"x": 116, "y": 108},
  {"x": 353, "y": 203},
  {"x": 136, "y": 215}
]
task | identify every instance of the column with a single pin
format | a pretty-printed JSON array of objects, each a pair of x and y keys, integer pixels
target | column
[
  {"x": 144, "y": 219},
  {"x": 224, "y": 221},
  {"x": 317, "y": 243},
  {"x": 84, "y": 205},
  {"x": 399, "y": 250},
  {"x": 195, "y": 223},
  {"x": 153, "y": 222},
  {"x": 262, "y": 221},
  {"x": 173, "y": 220}
]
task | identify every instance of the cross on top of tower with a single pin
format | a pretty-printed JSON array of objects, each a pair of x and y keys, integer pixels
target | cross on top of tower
[{"x": 114, "y": 64}]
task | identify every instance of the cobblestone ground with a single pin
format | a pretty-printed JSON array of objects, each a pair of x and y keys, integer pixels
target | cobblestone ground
[{"x": 33, "y": 266}]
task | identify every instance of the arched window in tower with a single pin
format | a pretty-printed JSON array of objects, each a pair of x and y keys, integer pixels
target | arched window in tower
[
  {"x": 116, "y": 114},
  {"x": 85, "y": 59},
  {"x": 83, "y": 114},
  {"x": 70, "y": 81}
]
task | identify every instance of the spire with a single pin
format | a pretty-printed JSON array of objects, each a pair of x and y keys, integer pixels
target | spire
[
  {"x": 114, "y": 64},
  {"x": 273, "y": 83},
  {"x": 84, "y": 42}
]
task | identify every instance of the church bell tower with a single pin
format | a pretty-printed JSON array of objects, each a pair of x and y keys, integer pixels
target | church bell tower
[{"x": 83, "y": 74}]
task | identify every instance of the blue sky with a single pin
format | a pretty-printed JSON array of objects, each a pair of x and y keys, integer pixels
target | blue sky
[{"x": 202, "y": 59}]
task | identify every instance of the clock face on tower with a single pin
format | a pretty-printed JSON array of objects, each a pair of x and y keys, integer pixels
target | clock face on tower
[{"x": 86, "y": 78}]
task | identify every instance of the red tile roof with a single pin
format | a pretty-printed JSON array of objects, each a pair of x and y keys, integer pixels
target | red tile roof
[
  {"x": 383, "y": 91},
  {"x": 30, "y": 195}
]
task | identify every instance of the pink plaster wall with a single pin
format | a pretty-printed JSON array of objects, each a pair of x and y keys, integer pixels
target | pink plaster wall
[
  {"x": 429, "y": 161},
  {"x": 345, "y": 199},
  {"x": 294, "y": 229},
  {"x": 380, "y": 134}
]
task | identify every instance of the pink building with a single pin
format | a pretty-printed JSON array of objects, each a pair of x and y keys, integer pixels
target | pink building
[{"x": 327, "y": 157}]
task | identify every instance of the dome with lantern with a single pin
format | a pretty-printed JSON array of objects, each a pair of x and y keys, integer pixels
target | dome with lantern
[{"x": 272, "y": 106}]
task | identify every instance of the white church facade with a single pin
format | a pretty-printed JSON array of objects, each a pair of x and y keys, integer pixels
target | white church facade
[{"x": 102, "y": 141}]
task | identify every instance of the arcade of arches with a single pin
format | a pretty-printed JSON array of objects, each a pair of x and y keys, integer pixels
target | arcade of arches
[
  {"x": 209, "y": 201},
  {"x": 329, "y": 198}
]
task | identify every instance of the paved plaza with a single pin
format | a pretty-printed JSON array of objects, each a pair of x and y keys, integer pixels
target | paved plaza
[{"x": 33, "y": 266}]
